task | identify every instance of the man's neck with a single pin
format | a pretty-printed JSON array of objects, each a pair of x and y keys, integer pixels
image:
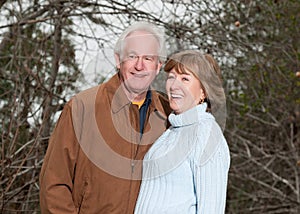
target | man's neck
[
  {"x": 135, "y": 97},
  {"x": 139, "y": 97}
]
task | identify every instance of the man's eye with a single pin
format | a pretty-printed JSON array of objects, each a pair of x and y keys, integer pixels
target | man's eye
[
  {"x": 149, "y": 58},
  {"x": 132, "y": 56}
]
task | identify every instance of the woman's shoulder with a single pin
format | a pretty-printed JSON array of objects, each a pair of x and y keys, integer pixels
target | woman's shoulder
[{"x": 209, "y": 138}]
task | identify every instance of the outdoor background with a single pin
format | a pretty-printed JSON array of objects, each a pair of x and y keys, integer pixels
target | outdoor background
[{"x": 52, "y": 49}]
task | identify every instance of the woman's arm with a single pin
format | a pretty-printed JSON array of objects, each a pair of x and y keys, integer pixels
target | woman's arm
[{"x": 211, "y": 181}]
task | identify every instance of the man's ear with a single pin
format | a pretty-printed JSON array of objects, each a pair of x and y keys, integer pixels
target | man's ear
[
  {"x": 118, "y": 61},
  {"x": 158, "y": 67}
]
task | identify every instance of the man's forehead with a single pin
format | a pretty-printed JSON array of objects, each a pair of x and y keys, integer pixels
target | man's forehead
[{"x": 141, "y": 43}]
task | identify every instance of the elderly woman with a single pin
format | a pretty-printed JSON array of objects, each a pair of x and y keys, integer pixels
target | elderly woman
[{"x": 186, "y": 169}]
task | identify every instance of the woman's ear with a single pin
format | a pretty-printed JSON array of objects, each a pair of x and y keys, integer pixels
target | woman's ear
[{"x": 203, "y": 96}]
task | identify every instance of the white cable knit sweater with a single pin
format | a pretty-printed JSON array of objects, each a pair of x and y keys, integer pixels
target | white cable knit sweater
[{"x": 186, "y": 169}]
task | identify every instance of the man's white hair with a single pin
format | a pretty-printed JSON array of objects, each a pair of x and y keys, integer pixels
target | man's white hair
[{"x": 143, "y": 26}]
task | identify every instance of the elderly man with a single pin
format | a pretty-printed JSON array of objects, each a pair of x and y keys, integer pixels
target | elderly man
[{"x": 93, "y": 161}]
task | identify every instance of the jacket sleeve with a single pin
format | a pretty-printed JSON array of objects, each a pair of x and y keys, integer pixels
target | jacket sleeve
[
  {"x": 210, "y": 179},
  {"x": 57, "y": 171}
]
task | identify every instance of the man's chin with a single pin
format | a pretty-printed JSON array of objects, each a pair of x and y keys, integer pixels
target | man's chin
[
  {"x": 139, "y": 90},
  {"x": 136, "y": 89}
]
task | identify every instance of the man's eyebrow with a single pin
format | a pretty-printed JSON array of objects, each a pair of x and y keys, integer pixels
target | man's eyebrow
[{"x": 131, "y": 52}]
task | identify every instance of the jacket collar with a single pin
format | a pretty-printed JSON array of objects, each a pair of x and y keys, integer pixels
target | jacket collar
[
  {"x": 119, "y": 99},
  {"x": 116, "y": 94}
]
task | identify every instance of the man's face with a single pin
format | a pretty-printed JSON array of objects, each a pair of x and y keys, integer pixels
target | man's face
[{"x": 139, "y": 62}]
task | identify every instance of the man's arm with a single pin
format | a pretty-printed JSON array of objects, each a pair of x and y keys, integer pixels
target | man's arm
[{"x": 57, "y": 172}]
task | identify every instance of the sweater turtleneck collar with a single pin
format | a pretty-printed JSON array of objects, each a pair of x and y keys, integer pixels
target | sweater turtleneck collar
[{"x": 189, "y": 117}]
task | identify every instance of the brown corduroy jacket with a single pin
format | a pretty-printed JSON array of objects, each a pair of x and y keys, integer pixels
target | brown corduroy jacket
[{"x": 93, "y": 161}]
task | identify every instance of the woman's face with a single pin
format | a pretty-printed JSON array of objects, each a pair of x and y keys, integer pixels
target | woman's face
[{"x": 184, "y": 91}]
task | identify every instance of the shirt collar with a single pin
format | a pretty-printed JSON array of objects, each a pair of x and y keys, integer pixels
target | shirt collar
[{"x": 189, "y": 117}]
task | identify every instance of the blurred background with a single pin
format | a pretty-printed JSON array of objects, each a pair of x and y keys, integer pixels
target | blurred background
[{"x": 52, "y": 49}]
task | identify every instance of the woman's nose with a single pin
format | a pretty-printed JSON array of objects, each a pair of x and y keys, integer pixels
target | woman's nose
[{"x": 175, "y": 84}]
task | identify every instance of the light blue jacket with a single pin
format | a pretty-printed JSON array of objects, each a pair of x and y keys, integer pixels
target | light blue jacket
[{"x": 186, "y": 169}]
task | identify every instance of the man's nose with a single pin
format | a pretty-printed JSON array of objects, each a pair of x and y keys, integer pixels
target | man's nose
[{"x": 139, "y": 64}]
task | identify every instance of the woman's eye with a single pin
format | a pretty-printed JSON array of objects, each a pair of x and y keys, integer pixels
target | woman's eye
[
  {"x": 185, "y": 79},
  {"x": 170, "y": 77}
]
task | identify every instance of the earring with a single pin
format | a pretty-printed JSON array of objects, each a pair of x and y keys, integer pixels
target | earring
[{"x": 201, "y": 101}]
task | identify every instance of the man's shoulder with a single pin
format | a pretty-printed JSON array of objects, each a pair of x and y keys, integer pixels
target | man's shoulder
[
  {"x": 93, "y": 91},
  {"x": 160, "y": 95},
  {"x": 85, "y": 94},
  {"x": 162, "y": 99}
]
